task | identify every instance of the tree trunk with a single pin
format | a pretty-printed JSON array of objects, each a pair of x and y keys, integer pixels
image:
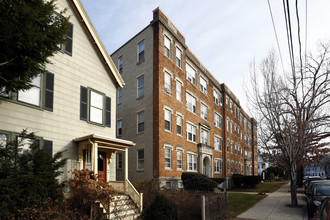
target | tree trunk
[{"x": 293, "y": 184}]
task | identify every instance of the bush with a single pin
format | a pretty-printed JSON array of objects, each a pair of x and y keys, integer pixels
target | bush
[
  {"x": 161, "y": 209},
  {"x": 197, "y": 181},
  {"x": 246, "y": 181},
  {"x": 218, "y": 180}
]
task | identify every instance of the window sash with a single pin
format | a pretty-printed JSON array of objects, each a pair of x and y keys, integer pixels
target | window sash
[
  {"x": 140, "y": 159},
  {"x": 167, "y": 120},
  {"x": 119, "y": 127},
  {"x": 96, "y": 107},
  {"x": 168, "y": 157},
  {"x": 33, "y": 95},
  {"x": 179, "y": 125},
  {"x": 168, "y": 83},
  {"x": 191, "y": 132},
  {"x": 179, "y": 159},
  {"x": 203, "y": 85},
  {"x": 204, "y": 114},
  {"x": 140, "y": 82},
  {"x": 191, "y": 103},
  {"x": 178, "y": 54},
  {"x": 140, "y": 117},
  {"x": 167, "y": 44},
  {"x": 141, "y": 51},
  {"x": 178, "y": 91},
  {"x": 191, "y": 74}
]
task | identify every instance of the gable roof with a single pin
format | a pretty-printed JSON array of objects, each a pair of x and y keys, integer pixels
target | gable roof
[{"x": 94, "y": 37}]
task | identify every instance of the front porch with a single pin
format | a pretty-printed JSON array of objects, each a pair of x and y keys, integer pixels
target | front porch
[{"x": 98, "y": 153}]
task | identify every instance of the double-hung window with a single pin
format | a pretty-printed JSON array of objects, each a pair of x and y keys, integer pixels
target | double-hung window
[
  {"x": 168, "y": 158},
  {"x": 217, "y": 120},
  {"x": 204, "y": 114},
  {"x": 140, "y": 122},
  {"x": 31, "y": 96},
  {"x": 119, "y": 127},
  {"x": 119, "y": 96},
  {"x": 119, "y": 160},
  {"x": 141, "y": 51},
  {"x": 203, "y": 84},
  {"x": 168, "y": 120},
  {"x": 178, "y": 91},
  {"x": 217, "y": 143},
  {"x": 140, "y": 86},
  {"x": 191, "y": 103},
  {"x": 167, "y": 44},
  {"x": 228, "y": 124},
  {"x": 228, "y": 145},
  {"x": 192, "y": 162},
  {"x": 67, "y": 47},
  {"x": 204, "y": 136},
  {"x": 191, "y": 132},
  {"x": 178, "y": 54},
  {"x": 168, "y": 83},
  {"x": 191, "y": 74},
  {"x": 179, "y": 124},
  {"x": 217, "y": 166},
  {"x": 120, "y": 64},
  {"x": 95, "y": 107},
  {"x": 140, "y": 159},
  {"x": 217, "y": 97},
  {"x": 179, "y": 154}
]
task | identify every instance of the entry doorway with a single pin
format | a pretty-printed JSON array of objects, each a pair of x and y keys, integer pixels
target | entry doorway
[
  {"x": 206, "y": 167},
  {"x": 102, "y": 166}
]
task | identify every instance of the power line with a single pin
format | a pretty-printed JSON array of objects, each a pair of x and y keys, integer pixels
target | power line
[
  {"x": 299, "y": 40},
  {"x": 306, "y": 35},
  {"x": 289, "y": 34},
  {"x": 278, "y": 45}
]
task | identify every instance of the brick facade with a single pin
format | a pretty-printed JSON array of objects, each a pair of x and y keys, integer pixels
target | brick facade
[{"x": 196, "y": 106}]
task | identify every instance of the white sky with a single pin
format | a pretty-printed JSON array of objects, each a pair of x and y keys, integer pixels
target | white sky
[{"x": 224, "y": 35}]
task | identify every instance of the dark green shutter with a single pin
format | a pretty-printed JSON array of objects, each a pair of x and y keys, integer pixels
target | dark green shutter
[
  {"x": 68, "y": 45},
  {"x": 83, "y": 103},
  {"x": 49, "y": 92},
  {"x": 108, "y": 112},
  {"x": 48, "y": 147}
]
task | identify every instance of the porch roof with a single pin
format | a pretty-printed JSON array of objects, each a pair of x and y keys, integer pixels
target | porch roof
[{"x": 105, "y": 141}]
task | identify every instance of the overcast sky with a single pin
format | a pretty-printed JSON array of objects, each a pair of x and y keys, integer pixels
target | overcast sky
[{"x": 224, "y": 35}]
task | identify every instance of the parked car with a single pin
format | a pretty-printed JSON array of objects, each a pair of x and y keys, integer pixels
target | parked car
[
  {"x": 312, "y": 183},
  {"x": 309, "y": 179},
  {"x": 323, "y": 213},
  {"x": 316, "y": 195}
]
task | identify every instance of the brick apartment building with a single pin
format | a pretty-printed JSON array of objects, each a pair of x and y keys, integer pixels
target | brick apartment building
[{"x": 180, "y": 117}]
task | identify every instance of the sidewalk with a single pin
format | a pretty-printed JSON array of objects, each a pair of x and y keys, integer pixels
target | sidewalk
[{"x": 275, "y": 207}]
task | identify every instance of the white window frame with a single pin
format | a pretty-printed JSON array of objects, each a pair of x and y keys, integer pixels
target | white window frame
[
  {"x": 96, "y": 107},
  {"x": 141, "y": 51},
  {"x": 119, "y": 127},
  {"x": 217, "y": 97},
  {"x": 204, "y": 136},
  {"x": 167, "y": 82},
  {"x": 140, "y": 122},
  {"x": 178, "y": 55},
  {"x": 191, "y": 160},
  {"x": 193, "y": 130},
  {"x": 191, "y": 102},
  {"x": 168, "y": 118},
  {"x": 217, "y": 120},
  {"x": 32, "y": 96},
  {"x": 167, "y": 47},
  {"x": 119, "y": 96},
  {"x": 179, "y": 159},
  {"x": 178, "y": 91},
  {"x": 217, "y": 165},
  {"x": 219, "y": 140},
  {"x": 204, "y": 111},
  {"x": 168, "y": 158},
  {"x": 203, "y": 85},
  {"x": 191, "y": 74},
  {"x": 140, "y": 88},
  {"x": 178, "y": 119},
  {"x": 139, "y": 159}
]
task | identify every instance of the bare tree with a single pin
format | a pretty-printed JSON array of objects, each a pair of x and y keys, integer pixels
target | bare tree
[{"x": 292, "y": 110}]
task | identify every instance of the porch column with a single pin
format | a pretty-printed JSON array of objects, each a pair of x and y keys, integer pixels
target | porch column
[
  {"x": 126, "y": 164},
  {"x": 126, "y": 169},
  {"x": 95, "y": 161}
]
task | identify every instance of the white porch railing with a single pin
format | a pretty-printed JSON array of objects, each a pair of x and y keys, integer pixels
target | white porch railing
[{"x": 127, "y": 187}]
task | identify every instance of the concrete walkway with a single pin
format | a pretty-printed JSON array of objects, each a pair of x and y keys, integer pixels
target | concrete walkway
[{"x": 275, "y": 207}]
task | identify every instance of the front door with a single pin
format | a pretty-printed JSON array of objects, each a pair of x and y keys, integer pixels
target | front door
[{"x": 101, "y": 160}]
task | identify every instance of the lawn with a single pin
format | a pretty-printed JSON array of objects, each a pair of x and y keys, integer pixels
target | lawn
[
  {"x": 240, "y": 202},
  {"x": 267, "y": 187}
]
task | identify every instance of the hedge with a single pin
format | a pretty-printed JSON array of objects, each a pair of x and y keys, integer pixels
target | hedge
[
  {"x": 246, "y": 181},
  {"x": 197, "y": 181}
]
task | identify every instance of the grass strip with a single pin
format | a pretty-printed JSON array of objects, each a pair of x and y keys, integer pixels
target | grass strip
[{"x": 240, "y": 202}]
